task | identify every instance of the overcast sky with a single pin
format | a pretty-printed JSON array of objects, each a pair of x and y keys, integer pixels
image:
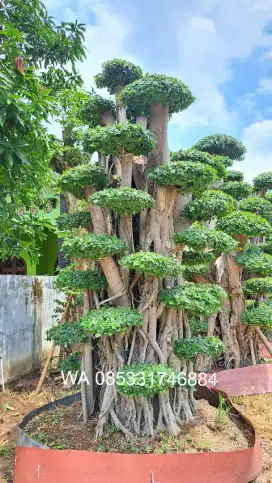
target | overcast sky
[{"x": 222, "y": 49}]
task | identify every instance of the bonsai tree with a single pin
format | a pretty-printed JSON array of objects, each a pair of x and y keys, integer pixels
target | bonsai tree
[
  {"x": 168, "y": 292},
  {"x": 136, "y": 331}
]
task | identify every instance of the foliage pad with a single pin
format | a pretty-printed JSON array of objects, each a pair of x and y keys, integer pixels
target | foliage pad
[
  {"x": 159, "y": 89},
  {"x": 93, "y": 247},
  {"x": 110, "y": 320},
  {"x": 257, "y": 205},
  {"x": 194, "y": 298},
  {"x": 145, "y": 379},
  {"x": 68, "y": 221},
  {"x": 67, "y": 333},
  {"x": 75, "y": 179},
  {"x": 236, "y": 189},
  {"x": 222, "y": 144},
  {"x": 117, "y": 72},
  {"x": 152, "y": 264},
  {"x": 188, "y": 349},
  {"x": 123, "y": 200},
  {"x": 260, "y": 286},
  {"x": 187, "y": 176},
  {"x": 260, "y": 316},
  {"x": 243, "y": 223},
  {"x": 199, "y": 237},
  {"x": 95, "y": 107},
  {"x": 114, "y": 139},
  {"x": 70, "y": 278},
  {"x": 210, "y": 204},
  {"x": 196, "y": 156}
]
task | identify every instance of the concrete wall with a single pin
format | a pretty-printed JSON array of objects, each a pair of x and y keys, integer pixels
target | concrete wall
[{"x": 27, "y": 307}]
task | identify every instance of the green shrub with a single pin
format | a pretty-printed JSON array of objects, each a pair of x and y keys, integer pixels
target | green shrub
[
  {"x": 123, "y": 200},
  {"x": 67, "y": 333},
  {"x": 236, "y": 189},
  {"x": 144, "y": 379},
  {"x": 212, "y": 203},
  {"x": 223, "y": 145},
  {"x": 187, "y": 176},
  {"x": 93, "y": 247},
  {"x": 152, "y": 264},
  {"x": 69, "y": 278},
  {"x": 244, "y": 223},
  {"x": 188, "y": 349},
  {"x": 68, "y": 221},
  {"x": 75, "y": 179}
]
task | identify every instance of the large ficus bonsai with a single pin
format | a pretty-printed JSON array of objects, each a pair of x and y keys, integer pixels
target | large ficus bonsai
[{"x": 153, "y": 297}]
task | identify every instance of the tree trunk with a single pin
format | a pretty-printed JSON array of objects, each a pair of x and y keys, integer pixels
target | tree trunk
[
  {"x": 158, "y": 125},
  {"x": 160, "y": 228},
  {"x": 142, "y": 120},
  {"x": 107, "y": 119},
  {"x": 115, "y": 282},
  {"x": 87, "y": 366},
  {"x": 120, "y": 109},
  {"x": 126, "y": 164},
  {"x": 125, "y": 231},
  {"x": 98, "y": 219}
]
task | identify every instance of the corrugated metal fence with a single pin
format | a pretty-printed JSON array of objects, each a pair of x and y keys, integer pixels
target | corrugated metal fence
[{"x": 27, "y": 307}]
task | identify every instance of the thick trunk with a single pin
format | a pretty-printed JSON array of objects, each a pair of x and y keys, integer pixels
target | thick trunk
[
  {"x": 180, "y": 223},
  {"x": 87, "y": 367},
  {"x": 115, "y": 282},
  {"x": 126, "y": 164},
  {"x": 160, "y": 228},
  {"x": 142, "y": 120},
  {"x": 228, "y": 275},
  {"x": 98, "y": 219},
  {"x": 125, "y": 231},
  {"x": 107, "y": 119},
  {"x": 158, "y": 125},
  {"x": 120, "y": 109}
]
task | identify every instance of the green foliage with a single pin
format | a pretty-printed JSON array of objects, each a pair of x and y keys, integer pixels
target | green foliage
[
  {"x": 266, "y": 247},
  {"x": 152, "y": 264},
  {"x": 78, "y": 219},
  {"x": 268, "y": 197},
  {"x": 94, "y": 108},
  {"x": 199, "y": 237},
  {"x": 198, "y": 326},
  {"x": 111, "y": 320},
  {"x": 236, "y": 189},
  {"x": 196, "y": 156},
  {"x": 255, "y": 261},
  {"x": 263, "y": 181},
  {"x": 66, "y": 157},
  {"x": 93, "y": 247},
  {"x": 187, "y": 176},
  {"x": 67, "y": 333},
  {"x": 243, "y": 223},
  {"x": 160, "y": 89},
  {"x": 123, "y": 200},
  {"x": 223, "y": 145},
  {"x": 117, "y": 73},
  {"x": 71, "y": 363},
  {"x": 75, "y": 179},
  {"x": 192, "y": 257},
  {"x": 233, "y": 175},
  {"x": 257, "y": 205},
  {"x": 194, "y": 298},
  {"x": 210, "y": 204},
  {"x": 188, "y": 349},
  {"x": 260, "y": 316},
  {"x": 69, "y": 278},
  {"x": 132, "y": 138},
  {"x": 144, "y": 379},
  {"x": 261, "y": 286}
]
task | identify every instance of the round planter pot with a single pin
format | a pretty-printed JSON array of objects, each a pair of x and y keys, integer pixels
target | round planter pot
[{"x": 35, "y": 462}]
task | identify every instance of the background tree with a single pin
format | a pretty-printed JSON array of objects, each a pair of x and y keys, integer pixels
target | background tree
[{"x": 29, "y": 40}]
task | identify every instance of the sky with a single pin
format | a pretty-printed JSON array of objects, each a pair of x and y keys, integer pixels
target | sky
[{"x": 222, "y": 49}]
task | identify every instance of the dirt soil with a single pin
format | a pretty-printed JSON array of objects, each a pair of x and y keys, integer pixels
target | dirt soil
[
  {"x": 63, "y": 428},
  {"x": 259, "y": 410},
  {"x": 17, "y": 401}
]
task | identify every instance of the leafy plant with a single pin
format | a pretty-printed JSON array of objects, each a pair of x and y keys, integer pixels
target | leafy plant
[
  {"x": 254, "y": 260},
  {"x": 110, "y": 320},
  {"x": 222, "y": 412},
  {"x": 73, "y": 180},
  {"x": 244, "y": 223},
  {"x": 117, "y": 72},
  {"x": 236, "y": 189},
  {"x": 260, "y": 316},
  {"x": 160, "y": 89},
  {"x": 233, "y": 175},
  {"x": 188, "y": 349},
  {"x": 261, "y": 286},
  {"x": 199, "y": 237},
  {"x": 194, "y": 155},
  {"x": 144, "y": 379},
  {"x": 67, "y": 333},
  {"x": 152, "y": 264},
  {"x": 71, "y": 363},
  {"x": 69, "y": 278},
  {"x": 258, "y": 205},
  {"x": 92, "y": 111},
  {"x": 123, "y": 200},
  {"x": 212, "y": 203},
  {"x": 189, "y": 177},
  {"x": 196, "y": 299},
  {"x": 263, "y": 181},
  {"x": 68, "y": 221},
  {"x": 222, "y": 144},
  {"x": 93, "y": 247}
]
